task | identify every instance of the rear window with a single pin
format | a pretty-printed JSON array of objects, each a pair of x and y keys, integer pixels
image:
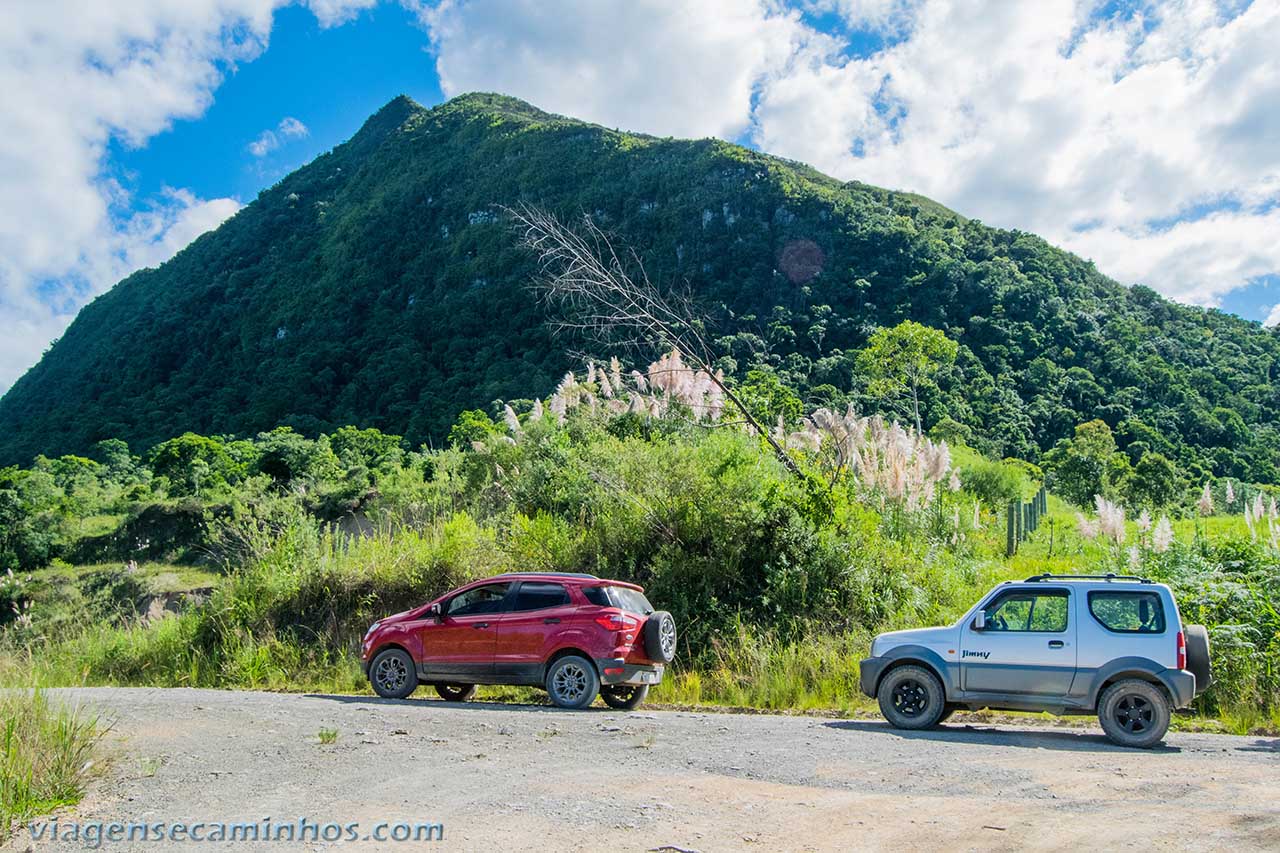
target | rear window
[
  {"x": 1128, "y": 612},
  {"x": 539, "y": 596},
  {"x": 621, "y": 597}
]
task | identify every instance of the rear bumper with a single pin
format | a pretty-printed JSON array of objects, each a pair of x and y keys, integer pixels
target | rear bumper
[
  {"x": 1181, "y": 684},
  {"x": 618, "y": 671},
  {"x": 869, "y": 675}
]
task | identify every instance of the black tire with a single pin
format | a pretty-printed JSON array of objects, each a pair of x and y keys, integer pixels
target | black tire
[
  {"x": 1134, "y": 713},
  {"x": 1197, "y": 639},
  {"x": 911, "y": 697},
  {"x": 455, "y": 692},
  {"x": 660, "y": 637},
  {"x": 624, "y": 697},
  {"x": 572, "y": 682},
  {"x": 393, "y": 674}
]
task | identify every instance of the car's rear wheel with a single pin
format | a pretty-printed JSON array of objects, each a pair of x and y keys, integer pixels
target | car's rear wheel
[
  {"x": 455, "y": 692},
  {"x": 624, "y": 697},
  {"x": 393, "y": 674},
  {"x": 1134, "y": 713},
  {"x": 572, "y": 682},
  {"x": 911, "y": 697}
]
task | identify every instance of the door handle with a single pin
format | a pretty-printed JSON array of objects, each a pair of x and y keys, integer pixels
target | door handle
[
  {"x": 1056, "y": 644},
  {"x": 551, "y": 620},
  {"x": 481, "y": 625}
]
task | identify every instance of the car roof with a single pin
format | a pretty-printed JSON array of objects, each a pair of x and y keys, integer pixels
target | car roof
[
  {"x": 556, "y": 575},
  {"x": 1128, "y": 583},
  {"x": 560, "y": 577}
]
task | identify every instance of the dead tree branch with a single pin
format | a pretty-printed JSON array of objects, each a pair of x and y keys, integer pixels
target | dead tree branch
[{"x": 586, "y": 282}]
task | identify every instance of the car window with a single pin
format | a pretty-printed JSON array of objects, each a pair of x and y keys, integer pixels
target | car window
[
  {"x": 480, "y": 599},
  {"x": 621, "y": 597},
  {"x": 1028, "y": 611},
  {"x": 538, "y": 596},
  {"x": 1128, "y": 612}
]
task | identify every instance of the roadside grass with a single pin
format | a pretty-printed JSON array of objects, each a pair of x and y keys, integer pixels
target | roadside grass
[{"x": 48, "y": 756}]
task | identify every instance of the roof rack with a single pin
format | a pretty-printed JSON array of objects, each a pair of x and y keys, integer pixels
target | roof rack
[
  {"x": 1109, "y": 576},
  {"x": 549, "y": 574}
]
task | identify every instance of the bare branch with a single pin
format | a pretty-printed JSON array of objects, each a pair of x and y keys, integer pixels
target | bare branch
[{"x": 585, "y": 282}]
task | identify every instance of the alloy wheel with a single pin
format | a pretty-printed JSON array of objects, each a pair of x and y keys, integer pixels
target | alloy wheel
[
  {"x": 569, "y": 682},
  {"x": 391, "y": 673},
  {"x": 667, "y": 637}
]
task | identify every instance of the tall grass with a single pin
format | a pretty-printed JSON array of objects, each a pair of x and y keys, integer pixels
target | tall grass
[{"x": 46, "y": 756}]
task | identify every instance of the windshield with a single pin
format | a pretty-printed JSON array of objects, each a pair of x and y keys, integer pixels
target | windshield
[{"x": 621, "y": 597}]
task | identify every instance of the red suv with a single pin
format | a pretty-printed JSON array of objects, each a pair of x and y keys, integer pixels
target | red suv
[{"x": 574, "y": 634}]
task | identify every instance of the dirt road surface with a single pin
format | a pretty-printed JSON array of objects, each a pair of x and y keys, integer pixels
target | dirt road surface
[{"x": 532, "y": 778}]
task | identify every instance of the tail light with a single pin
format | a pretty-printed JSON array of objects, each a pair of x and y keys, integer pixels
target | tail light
[
  {"x": 1182, "y": 651},
  {"x": 616, "y": 622}
]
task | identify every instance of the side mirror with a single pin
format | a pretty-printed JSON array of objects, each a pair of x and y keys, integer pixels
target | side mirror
[
  {"x": 433, "y": 612},
  {"x": 980, "y": 621}
]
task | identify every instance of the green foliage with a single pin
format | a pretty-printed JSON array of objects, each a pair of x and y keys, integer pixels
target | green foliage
[
  {"x": 46, "y": 756},
  {"x": 1085, "y": 465},
  {"x": 995, "y": 483},
  {"x": 768, "y": 399},
  {"x": 379, "y": 286},
  {"x": 472, "y": 426},
  {"x": 191, "y": 463},
  {"x": 901, "y": 362}
]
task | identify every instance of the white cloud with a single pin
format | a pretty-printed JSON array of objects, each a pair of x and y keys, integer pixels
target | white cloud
[
  {"x": 1273, "y": 318},
  {"x": 684, "y": 69},
  {"x": 270, "y": 140},
  {"x": 76, "y": 75},
  {"x": 1095, "y": 133}
]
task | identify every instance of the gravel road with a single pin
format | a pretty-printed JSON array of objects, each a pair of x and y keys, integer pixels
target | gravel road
[{"x": 534, "y": 778}]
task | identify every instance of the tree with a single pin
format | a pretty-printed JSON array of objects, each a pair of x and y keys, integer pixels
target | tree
[
  {"x": 193, "y": 463},
  {"x": 1154, "y": 482},
  {"x": 902, "y": 360},
  {"x": 472, "y": 425},
  {"x": 1085, "y": 465}
]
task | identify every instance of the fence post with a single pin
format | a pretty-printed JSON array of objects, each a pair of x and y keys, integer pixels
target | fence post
[{"x": 1010, "y": 538}]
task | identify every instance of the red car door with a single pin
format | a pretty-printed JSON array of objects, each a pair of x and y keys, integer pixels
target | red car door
[
  {"x": 460, "y": 647},
  {"x": 528, "y": 629}
]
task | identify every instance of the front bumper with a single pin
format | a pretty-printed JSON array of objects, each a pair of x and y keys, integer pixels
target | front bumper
[
  {"x": 869, "y": 671},
  {"x": 618, "y": 671}
]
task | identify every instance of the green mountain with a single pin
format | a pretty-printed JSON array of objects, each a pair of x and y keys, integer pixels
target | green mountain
[{"x": 380, "y": 286}]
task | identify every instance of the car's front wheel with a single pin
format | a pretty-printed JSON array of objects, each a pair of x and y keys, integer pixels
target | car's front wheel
[
  {"x": 624, "y": 697},
  {"x": 1134, "y": 713},
  {"x": 393, "y": 674},
  {"x": 911, "y": 697},
  {"x": 572, "y": 682},
  {"x": 455, "y": 692}
]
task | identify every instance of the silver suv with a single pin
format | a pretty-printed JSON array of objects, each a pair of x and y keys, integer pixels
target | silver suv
[{"x": 1068, "y": 644}]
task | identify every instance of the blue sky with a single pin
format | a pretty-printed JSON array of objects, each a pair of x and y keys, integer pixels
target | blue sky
[
  {"x": 1144, "y": 134},
  {"x": 331, "y": 79}
]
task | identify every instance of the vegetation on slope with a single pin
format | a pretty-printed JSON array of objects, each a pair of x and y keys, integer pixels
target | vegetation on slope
[
  {"x": 380, "y": 286},
  {"x": 778, "y": 581}
]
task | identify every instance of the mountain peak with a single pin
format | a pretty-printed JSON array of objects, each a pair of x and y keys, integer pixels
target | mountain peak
[{"x": 493, "y": 103}]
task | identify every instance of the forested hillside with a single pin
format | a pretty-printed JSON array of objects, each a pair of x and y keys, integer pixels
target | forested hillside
[{"x": 380, "y": 286}]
